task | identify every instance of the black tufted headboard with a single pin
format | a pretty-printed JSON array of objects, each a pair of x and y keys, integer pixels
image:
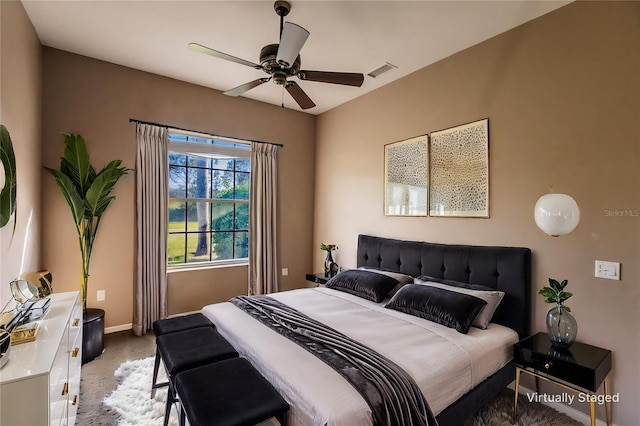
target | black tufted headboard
[{"x": 507, "y": 269}]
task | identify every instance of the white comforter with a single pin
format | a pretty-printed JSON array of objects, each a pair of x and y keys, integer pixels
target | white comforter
[{"x": 444, "y": 363}]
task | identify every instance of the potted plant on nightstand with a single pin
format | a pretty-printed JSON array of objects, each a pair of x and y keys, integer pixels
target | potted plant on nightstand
[
  {"x": 562, "y": 327},
  {"x": 88, "y": 195}
]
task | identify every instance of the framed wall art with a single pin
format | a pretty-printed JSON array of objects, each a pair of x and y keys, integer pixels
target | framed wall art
[
  {"x": 406, "y": 172},
  {"x": 459, "y": 175}
]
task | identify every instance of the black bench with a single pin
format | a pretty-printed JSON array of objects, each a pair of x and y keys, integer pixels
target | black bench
[
  {"x": 228, "y": 393},
  {"x": 184, "y": 350},
  {"x": 174, "y": 325}
]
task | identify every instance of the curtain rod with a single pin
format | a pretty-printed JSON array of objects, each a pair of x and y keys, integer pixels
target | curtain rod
[{"x": 133, "y": 120}]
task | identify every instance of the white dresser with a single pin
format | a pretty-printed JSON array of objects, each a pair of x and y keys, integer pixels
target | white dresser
[{"x": 40, "y": 384}]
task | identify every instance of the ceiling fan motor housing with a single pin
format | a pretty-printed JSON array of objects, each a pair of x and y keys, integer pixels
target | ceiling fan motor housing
[{"x": 269, "y": 64}]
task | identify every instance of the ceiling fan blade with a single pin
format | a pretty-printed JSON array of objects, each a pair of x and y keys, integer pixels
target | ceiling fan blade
[
  {"x": 299, "y": 96},
  {"x": 344, "y": 78},
  {"x": 237, "y": 91},
  {"x": 291, "y": 41},
  {"x": 208, "y": 51}
]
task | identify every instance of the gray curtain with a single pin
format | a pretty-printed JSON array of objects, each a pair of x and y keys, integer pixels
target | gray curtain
[
  {"x": 263, "y": 262},
  {"x": 151, "y": 211}
]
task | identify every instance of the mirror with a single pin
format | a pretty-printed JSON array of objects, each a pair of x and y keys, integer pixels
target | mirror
[{"x": 23, "y": 290}]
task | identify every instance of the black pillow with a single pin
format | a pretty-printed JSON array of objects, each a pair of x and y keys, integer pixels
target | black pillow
[
  {"x": 449, "y": 308},
  {"x": 366, "y": 284}
]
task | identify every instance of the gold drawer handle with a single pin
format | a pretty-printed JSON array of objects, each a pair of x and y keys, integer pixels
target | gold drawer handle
[
  {"x": 548, "y": 365},
  {"x": 76, "y": 321},
  {"x": 65, "y": 389},
  {"x": 75, "y": 400},
  {"x": 74, "y": 353}
]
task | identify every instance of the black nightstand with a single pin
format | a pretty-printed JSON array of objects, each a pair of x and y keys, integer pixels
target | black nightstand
[
  {"x": 319, "y": 278},
  {"x": 581, "y": 368}
]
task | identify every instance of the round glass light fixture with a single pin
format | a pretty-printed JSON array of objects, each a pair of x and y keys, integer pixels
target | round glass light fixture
[{"x": 556, "y": 214}]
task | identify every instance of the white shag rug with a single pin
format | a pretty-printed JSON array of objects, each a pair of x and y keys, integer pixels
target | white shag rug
[
  {"x": 132, "y": 398},
  {"x": 133, "y": 404}
]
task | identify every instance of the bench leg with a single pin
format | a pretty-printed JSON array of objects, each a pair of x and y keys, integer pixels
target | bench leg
[
  {"x": 182, "y": 415},
  {"x": 156, "y": 366},
  {"x": 171, "y": 398}
]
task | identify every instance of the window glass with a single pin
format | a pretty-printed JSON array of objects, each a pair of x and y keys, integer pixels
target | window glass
[{"x": 208, "y": 201}]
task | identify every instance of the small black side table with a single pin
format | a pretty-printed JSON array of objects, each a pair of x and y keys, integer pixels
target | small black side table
[
  {"x": 581, "y": 368},
  {"x": 319, "y": 278},
  {"x": 92, "y": 334}
]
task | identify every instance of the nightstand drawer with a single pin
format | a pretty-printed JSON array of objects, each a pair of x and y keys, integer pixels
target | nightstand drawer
[
  {"x": 575, "y": 374},
  {"x": 582, "y": 365}
]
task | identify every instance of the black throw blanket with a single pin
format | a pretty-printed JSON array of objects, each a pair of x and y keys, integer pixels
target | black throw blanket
[{"x": 392, "y": 395}]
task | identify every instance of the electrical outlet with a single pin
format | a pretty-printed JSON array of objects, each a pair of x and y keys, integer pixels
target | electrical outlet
[
  {"x": 100, "y": 296},
  {"x": 285, "y": 272},
  {"x": 608, "y": 270}
]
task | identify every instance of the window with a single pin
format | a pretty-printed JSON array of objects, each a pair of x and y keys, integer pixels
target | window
[{"x": 208, "y": 200}]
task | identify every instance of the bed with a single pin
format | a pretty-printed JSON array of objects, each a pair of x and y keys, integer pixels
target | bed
[{"x": 457, "y": 373}]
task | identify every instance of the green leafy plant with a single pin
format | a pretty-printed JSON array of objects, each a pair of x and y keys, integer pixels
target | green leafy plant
[
  {"x": 87, "y": 193},
  {"x": 328, "y": 247},
  {"x": 8, "y": 194},
  {"x": 555, "y": 293}
]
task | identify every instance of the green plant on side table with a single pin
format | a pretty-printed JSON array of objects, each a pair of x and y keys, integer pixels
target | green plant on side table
[
  {"x": 562, "y": 327},
  {"x": 87, "y": 193}
]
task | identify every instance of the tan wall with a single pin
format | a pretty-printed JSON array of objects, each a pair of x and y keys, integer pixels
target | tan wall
[
  {"x": 563, "y": 97},
  {"x": 96, "y": 99},
  {"x": 20, "y": 93}
]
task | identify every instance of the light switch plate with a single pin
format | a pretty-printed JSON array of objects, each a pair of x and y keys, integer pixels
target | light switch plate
[
  {"x": 608, "y": 270},
  {"x": 285, "y": 272},
  {"x": 100, "y": 296}
]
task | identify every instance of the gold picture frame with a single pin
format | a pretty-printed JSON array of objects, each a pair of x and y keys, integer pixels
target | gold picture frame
[
  {"x": 406, "y": 172},
  {"x": 459, "y": 171}
]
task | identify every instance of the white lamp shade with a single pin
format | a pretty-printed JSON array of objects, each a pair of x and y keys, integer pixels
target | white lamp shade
[
  {"x": 291, "y": 42},
  {"x": 556, "y": 214}
]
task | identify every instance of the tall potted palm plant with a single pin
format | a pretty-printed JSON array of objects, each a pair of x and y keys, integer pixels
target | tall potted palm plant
[{"x": 87, "y": 193}]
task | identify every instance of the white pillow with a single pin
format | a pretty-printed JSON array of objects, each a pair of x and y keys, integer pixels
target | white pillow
[{"x": 492, "y": 297}]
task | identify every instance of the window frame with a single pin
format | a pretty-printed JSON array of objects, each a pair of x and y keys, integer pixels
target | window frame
[{"x": 235, "y": 149}]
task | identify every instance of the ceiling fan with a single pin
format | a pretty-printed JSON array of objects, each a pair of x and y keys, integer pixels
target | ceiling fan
[{"x": 282, "y": 61}]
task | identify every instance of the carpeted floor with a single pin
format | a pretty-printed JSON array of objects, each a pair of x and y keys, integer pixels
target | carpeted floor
[{"x": 99, "y": 381}]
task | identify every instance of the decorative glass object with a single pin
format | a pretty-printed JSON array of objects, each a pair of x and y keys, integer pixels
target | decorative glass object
[
  {"x": 562, "y": 327},
  {"x": 556, "y": 214},
  {"x": 328, "y": 262},
  {"x": 330, "y": 267},
  {"x": 5, "y": 346}
]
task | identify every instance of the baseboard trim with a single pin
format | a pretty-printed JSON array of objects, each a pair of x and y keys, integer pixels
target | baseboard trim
[
  {"x": 117, "y": 328},
  {"x": 564, "y": 409},
  {"x": 184, "y": 313},
  {"x": 124, "y": 327}
]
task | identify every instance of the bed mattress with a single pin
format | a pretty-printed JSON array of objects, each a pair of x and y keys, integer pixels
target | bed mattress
[{"x": 444, "y": 363}]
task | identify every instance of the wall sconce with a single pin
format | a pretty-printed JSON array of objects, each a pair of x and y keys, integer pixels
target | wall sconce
[{"x": 556, "y": 214}]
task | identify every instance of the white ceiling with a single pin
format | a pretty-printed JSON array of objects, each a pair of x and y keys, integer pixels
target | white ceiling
[{"x": 346, "y": 36}]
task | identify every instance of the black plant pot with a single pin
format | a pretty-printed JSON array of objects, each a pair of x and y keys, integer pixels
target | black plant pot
[{"x": 92, "y": 334}]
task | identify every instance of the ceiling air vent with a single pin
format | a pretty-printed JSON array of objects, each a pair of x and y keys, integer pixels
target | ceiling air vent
[{"x": 381, "y": 70}]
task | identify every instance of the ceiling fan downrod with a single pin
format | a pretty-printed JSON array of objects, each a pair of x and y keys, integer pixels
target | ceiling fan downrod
[{"x": 282, "y": 8}]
